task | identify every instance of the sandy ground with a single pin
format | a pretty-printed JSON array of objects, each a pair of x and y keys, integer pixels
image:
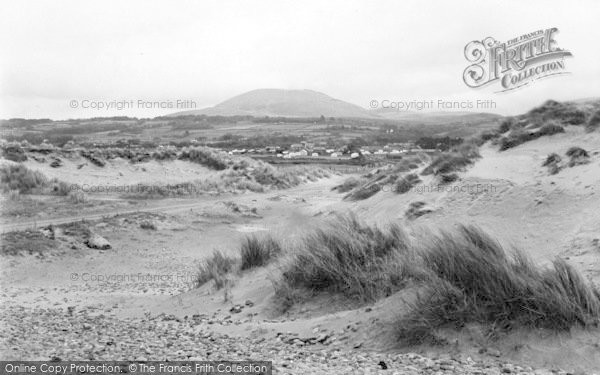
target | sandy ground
[{"x": 150, "y": 272}]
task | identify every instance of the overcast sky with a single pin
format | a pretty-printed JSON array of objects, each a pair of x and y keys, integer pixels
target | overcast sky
[{"x": 208, "y": 51}]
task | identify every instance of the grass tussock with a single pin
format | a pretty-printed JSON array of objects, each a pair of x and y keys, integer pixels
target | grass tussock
[
  {"x": 553, "y": 163},
  {"x": 363, "y": 192},
  {"x": 17, "y": 177},
  {"x": 215, "y": 268},
  {"x": 577, "y": 156},
  {"x": 258, "y": 251},
  {"x": 473, "y": 279},
  {"x": 349, "y": 257}
]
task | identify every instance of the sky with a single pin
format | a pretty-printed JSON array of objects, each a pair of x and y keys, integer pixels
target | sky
[{"x": 204, "y": 52}]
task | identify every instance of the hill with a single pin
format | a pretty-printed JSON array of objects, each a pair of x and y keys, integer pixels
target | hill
[{"x": 283, "y": 103}]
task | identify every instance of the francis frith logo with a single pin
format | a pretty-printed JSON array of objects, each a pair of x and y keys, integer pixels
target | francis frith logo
[{"x": 516, "y": 62}]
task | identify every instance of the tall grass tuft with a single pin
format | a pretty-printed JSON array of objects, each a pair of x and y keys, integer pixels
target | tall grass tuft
[
  {"x": 349, "y": 257},
  {"x": 258, "y": 251},
  {"x": 26, "y": 181},
  {"x": 473, "y": 279}
]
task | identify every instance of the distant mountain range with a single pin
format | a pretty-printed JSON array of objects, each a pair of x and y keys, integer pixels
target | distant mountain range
[{"x": 309, "y": 103}]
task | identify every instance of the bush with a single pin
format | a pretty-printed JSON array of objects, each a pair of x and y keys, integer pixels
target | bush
[
  {"x": 345, "y": 256},
  {"x": 215, "y": 268},
  {"x": 474, "y": 280},
  {"x": 258, "y": 251}
]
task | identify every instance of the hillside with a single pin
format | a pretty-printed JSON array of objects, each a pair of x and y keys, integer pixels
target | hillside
[{"x": 284, "y": 103}]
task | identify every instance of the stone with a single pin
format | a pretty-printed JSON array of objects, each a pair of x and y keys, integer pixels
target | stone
[{"x": 97, "y": 242}]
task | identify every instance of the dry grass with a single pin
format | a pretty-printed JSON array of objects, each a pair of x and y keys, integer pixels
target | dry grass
[
  {"x": 215, "y": 268},
  {"x": 258, "y": 251},
  {"x": 348, "y": 185},
  {"x": 405, "y": 183},
  {"x": 473, "y": 279},
  {"x": 552, "y": 162},
  {"x": 593, "y": 123},
  {"x": 577, "y": 156},
  {"x": 447, "y": 163},
  {"x": 348, "y": 257},
  {"x": 17, "y": 177},
  {"x": 363, "y": 192}
]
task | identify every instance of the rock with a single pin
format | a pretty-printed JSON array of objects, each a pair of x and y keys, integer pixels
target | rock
[
  {"x": 236, "y": 309},
  {"x": 383, "y": 365},
  {"x": 97, "y": 242},
  {"x": 249, "y": 303}
]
